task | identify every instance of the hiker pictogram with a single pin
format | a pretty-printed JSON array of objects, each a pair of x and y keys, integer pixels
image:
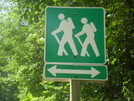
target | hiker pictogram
[
  {"x": 66, "y": 26},
  {"x": 89, "y": 30}
]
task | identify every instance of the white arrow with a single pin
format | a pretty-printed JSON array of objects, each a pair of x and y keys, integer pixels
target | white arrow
[{"x": 54, "y": 71}]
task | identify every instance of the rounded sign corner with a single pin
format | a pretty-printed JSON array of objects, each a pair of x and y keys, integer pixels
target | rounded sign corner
[{"x": 48, "y": 7}]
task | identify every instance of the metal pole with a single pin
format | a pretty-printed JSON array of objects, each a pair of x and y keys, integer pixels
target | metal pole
[{"x": 74, "y": 90}]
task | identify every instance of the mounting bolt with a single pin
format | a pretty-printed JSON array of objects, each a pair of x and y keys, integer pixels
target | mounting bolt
[{"x": 75, "y": 13}]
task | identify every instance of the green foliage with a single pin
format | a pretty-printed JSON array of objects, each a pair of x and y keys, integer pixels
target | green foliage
[
  {"x": 56, "y": 91},
  {"x": 22, "y": 49},
  {"x": 30, "y": 97}
]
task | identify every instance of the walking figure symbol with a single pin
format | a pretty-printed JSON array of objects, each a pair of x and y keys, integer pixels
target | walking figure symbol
[
  {"x": 89, "y": 30},
  {"x": 67, "y": 26}
]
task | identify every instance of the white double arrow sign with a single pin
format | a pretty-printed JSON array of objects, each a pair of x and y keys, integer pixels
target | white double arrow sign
[{"x": 93, "y": 72}]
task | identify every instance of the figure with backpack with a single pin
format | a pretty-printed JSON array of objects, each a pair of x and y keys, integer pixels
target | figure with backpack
[
  {"x": 66, "y": 26},
  {"x": 89, "y": 30}
]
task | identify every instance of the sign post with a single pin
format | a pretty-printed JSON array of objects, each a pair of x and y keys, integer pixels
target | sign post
[
  {"x": 75, "y": 46},
  {"x": 74, "y": 90}
]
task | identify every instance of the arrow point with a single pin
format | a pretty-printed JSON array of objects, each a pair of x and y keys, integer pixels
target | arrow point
[
  {"x": 94, "y": 72},
  {"x": 52, "y": 70}
]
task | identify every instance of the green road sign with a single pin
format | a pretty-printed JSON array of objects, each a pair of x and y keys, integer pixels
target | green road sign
[
  {"x": 81, "y": 72},
  {"x": 75, "y": 35}
]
